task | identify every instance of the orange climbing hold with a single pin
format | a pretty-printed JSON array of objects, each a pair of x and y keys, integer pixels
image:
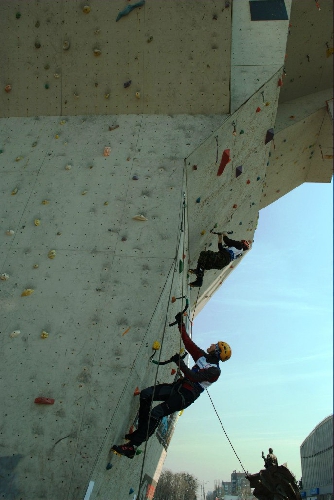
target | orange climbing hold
[
  {"x": 235, "y": 205},
  {"x": 137, "y": 391},
  {"x": 126, "y": 331},
  {"x": 173, "y": 371},
  {"x": 44, "y": 401},
  {"x": 173, "y": 300},
  {"x": 280, "y": 83}
]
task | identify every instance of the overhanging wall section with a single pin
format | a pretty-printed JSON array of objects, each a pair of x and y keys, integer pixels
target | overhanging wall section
[
  {"x": 162, "y": 58},
  {"x": 230, "y": 200}
]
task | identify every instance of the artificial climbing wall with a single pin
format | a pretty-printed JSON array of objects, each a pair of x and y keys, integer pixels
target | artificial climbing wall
[
  {"x": 93, "y": 242},
  {"x": 66, "y": 58}
]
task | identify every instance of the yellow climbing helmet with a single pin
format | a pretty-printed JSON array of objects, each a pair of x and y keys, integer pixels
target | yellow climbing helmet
[{"x": 225, "y": 352}]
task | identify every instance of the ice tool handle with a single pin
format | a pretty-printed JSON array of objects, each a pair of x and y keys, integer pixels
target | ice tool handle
[
  {"x": 168, "y": 360},
  {"x": 184, "y": 310},
  {"x": 215, "y": 232}
]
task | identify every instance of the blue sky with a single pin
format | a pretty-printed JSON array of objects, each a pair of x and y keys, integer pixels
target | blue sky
[{"x": 276, "y": 312}]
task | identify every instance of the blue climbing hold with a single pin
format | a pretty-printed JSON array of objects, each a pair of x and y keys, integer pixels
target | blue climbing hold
[
  {"x": 135, "y": 177},
  {"x": 258, "y": 178},
  {"x": 128, "y": 9},
  {"x": 240, "y": 223},
  {"x": 198, "y": 200},
  {"x": 131, "y": 491},
  {"x": 109, "y": 466}
]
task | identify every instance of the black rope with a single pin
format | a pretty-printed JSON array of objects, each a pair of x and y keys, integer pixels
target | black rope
[{"x": 225, "y": 433}]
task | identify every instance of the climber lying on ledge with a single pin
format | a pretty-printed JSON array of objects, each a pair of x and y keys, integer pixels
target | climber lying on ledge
[
  {"x": 218, "y": 260},
  {"x": 179, "y": 394}
]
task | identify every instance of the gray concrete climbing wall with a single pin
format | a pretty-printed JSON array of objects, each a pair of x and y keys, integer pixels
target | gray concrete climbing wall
[
  {"x": 86, "y": 289},
  {"x": 66, "y": 58}
]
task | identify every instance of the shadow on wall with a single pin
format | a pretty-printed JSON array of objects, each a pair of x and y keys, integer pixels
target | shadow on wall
[{"x": 8, "y": 487}]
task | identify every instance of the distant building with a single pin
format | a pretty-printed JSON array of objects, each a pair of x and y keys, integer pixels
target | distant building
[
  {"x": 239, "y": 483},
  {"x": 316, "y": 453}
]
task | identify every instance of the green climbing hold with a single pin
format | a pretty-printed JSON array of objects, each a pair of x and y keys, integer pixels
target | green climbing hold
[
  {"x": 18, "y": 15},
  {"x": 181, "y": 266},
  {"x": 242, "y": 132},
  {"x": 46, "y": 86}
]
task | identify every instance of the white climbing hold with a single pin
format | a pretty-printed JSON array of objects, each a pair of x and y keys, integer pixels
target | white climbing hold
[
  {"x": 4, "y": 276},
  {"x": 68, "y": 167},
  {"x": 139, "y": 217},
  {"x": 10, "y": 232},
  {"x": 14, "y": 334},
  {"x": 14, "y": 191}
]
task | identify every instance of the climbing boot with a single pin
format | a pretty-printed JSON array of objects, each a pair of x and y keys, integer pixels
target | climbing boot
[
  {"x": 198, "y": 282},
  {"x": 127, "y": 450}
]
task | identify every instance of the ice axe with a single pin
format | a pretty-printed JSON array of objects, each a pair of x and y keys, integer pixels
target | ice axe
[
  {"x": 215, "y": 232},
  {"x": 167, "y": 361},
  {"x": 184, "y": 310}
]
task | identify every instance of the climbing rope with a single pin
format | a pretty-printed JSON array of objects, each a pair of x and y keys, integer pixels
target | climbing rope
[{"x": 226, "y": 433}]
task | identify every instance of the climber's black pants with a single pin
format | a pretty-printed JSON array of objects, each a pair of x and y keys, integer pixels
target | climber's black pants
[{"x": 174, "y": 398}]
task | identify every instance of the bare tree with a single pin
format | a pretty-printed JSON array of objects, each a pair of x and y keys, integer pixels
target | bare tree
[{"x": 180, "y": 486}]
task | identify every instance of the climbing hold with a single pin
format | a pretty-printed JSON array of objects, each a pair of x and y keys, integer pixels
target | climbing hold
[
  {"x": 35, "y": 266},
  {"x": 106, "y": 151},
  {"x": 173, "y": 299},
  {"x": 242, "y": 131},
  {"x": 8, "y": 88},
  {"x": 258, "y": 178},
  {"x": 27, "y": 292},
  {"x": 240, "y": 223},
  {"x": 34, "y": 144},
  {"x": 44, "y": 335},
  {"x": 18, "y": 158},
  {"x": 194, "y": 167},
  {"x": 156, "y": 346},
  {"x": 128, "y": 9},
  {"x": 106, "y": 203},
  {"x": 37, "y": 45},
  {"x": 136, "y": 391},
  {"x": 135, "y": 177},
  {"x": 56, "y": 75},
  {"x": 238, "y": 171},
  {"x": 123, "y": 238},
  {"x": 131, "y": 491},
  {"x": 149, "y": 40},
  {"x": 66, "y": 45},
  {"x": 52, "y": 254},
  {"x": 14, "y": 334},
  {"x": 44, "y": 401},
  {"x": 56, "y": 136},
  {"x": 37, "y": 222},
  {"x": 68, "y": 167},
  {"x": 139, "y": 217},
  {"x": 248, "y": 181},
  {"x": 203, "y": 232},
  {"x": 198, "y": 200},
  {"x": 84, "y": 192},
  {"x": 267, "y": 103},
  {"x": 106, "y": 96},
  {"x": 10, "y": 232},
  {"x": 235, "y": 206},
  {"x": 126, "y": 331},
  {"x": 97, "y": 52},
  {"x": 224, "y": 161},
  {"x": 109, "y": 466},
  {"x": 86, "y": 9},
  {"x": 127, "y": 84},
  {"x": 280, "y": 83},
  {"x": 45, "y": 202},
  {"x": 15, "y": 190},
  {"x": 4, "y": 277},
  {"x": 138, "y": 95},
  {"x": 173, "y": 371},
  {"x": 46, "y": 86},
  {"x": 114, "y": 127},
  {"x": 329, "y": 52},
  {"x": 269, "y": 136},
  {"x": 292, "y": 117},
  {"x": 18, "y": 15},
  {"x": 258, "y": 109},
  {"x": 181, "y": 266}
]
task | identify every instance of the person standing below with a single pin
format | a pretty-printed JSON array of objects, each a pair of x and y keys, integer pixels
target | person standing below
[{"x": 208, "y": 259}]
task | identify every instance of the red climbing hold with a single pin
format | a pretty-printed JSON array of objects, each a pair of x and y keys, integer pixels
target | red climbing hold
[
  {"x": 173, "y": 371},
  {"x": 235, "y": 206},
  {"x": 194, "y": 167},
  {"x": 258, "y": 110},
  {"x": 248, "y": 181},
  {"x": 224, "y": 161},
  {"x": 280, "y": 83},
  {"x": 44, "y": 401},
  {"x": 137, "y": 391}
]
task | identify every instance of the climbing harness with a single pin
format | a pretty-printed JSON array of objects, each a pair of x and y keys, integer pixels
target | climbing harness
[{"x": 225, "y": 432}]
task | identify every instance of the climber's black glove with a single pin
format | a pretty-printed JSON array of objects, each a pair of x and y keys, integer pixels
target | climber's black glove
[
  {"x": 176, "y": 358},
  {"x": 178, "y": 318}
]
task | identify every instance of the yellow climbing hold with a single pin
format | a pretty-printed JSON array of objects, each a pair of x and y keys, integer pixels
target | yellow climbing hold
[
  {"x": 203, "y": 232},
  {"x": 44, "y": 335},
  {"x": 14, "y": 191},
  {"x": 45, "y": 202},
  {"x": 156, "y": 345},
  {"x": 37, "y": 222},
  {"x": 126, "y": 331},
  {"x": 27, "y": 292},
  {"x": 52, "y": 254}
]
